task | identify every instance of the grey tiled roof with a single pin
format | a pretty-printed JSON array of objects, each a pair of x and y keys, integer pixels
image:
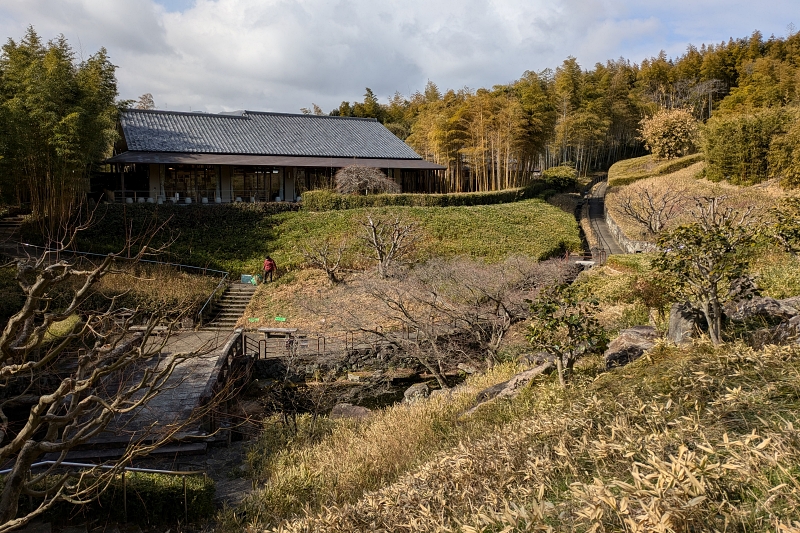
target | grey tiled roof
[{"x": 260, "y": 133}]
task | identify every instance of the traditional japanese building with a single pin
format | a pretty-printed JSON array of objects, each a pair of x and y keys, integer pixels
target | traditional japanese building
[{"x": 252, "y": 156}]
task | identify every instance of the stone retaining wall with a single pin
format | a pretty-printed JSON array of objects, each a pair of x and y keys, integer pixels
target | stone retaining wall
[{"x": 629, "y": 245}]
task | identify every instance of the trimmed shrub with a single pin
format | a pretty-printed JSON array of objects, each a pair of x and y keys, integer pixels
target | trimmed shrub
[
  {"x": 561, "y": 177},
  {"x": 631, "y": 170},
  {"x": 152, "y": 499},
  {"x": 670, "y": 133},
  {"x": 327, "y": 200}
]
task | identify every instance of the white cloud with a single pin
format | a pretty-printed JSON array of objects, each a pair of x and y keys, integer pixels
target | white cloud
[{"x": 284, "y": 54}]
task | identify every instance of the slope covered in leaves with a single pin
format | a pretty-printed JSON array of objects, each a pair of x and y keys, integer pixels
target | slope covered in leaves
[{"x": 698, "y": 440}]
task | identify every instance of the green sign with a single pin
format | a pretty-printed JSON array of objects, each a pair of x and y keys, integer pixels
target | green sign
[
  {"x": 256, "y": 319},
  {"x": 280, "y": 319}
]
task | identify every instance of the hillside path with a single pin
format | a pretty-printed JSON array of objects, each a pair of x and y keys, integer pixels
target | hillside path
[{"x": 597, "y": 218}]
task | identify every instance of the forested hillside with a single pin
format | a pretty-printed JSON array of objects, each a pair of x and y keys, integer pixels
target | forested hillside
[{"x": 495, "y": 138}]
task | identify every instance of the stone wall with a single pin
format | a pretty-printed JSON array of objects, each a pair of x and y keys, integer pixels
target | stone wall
[{"x": 629, "y": 245}]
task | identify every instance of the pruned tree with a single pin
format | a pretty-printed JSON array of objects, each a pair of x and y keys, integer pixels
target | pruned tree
[
  {"x": 145, "y": 102},
  {"x": 651, "y": 205},
  {"x": 709, "y": 259},
  {"x": 364, "y": 180},
  {"x": 564, "y": 325},
  {"x": 59, "y": 390},
  {"x": 389, "y": 240},
  {"x": 670, "y": 133},
  {"x": 326, "y": 256}
]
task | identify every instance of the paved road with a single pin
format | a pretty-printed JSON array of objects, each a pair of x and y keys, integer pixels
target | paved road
[{"x": 607, "y": 243}]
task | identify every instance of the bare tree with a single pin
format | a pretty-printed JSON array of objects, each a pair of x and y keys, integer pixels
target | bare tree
[
  {"x": 446, "y": 306},
  {"x": 325, "y": 256},
  {"x": 59, "y": 391},
  {"x": 364, "y": 180},
  {"x": 651, "y": 205},
  {"x": 389, "y": 239}
]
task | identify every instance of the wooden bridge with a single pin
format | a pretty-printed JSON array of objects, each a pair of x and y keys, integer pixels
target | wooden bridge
[{"x": 186, "y": 411}]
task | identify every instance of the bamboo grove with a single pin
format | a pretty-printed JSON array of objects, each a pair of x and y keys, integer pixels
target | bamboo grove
[
  {"x": 496, "y": 138},
  {"x": 57, "y": 122}
]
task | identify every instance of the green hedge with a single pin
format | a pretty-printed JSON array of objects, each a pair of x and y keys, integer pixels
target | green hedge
[
  {"x": 630, "y": 170},
  {"x": 152, "y": 499},
  {"x": 328, "y": 200}
]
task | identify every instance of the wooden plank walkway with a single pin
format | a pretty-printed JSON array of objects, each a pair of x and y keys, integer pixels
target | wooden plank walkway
[{"x": 188, "y": 386}]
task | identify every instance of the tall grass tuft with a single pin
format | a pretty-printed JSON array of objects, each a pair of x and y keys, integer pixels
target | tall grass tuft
[{"x": 696, "y": 440}]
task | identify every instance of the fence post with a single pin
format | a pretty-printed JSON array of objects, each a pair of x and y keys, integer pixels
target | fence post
[
  {"x": 185, "y": 502},
  {"x": 124, "y": 497}
]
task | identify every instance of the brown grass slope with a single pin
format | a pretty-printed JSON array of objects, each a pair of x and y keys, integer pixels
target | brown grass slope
[{"x": 698, "y": 440}]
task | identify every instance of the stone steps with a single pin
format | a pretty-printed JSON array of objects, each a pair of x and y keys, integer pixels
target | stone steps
[{"x": 231, "y": 306}]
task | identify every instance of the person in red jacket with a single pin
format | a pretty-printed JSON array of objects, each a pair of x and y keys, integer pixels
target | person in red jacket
[{"x": 269, "y": 268}]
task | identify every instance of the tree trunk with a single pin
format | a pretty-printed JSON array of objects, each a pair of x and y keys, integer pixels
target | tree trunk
[{"x": 15, "y": 482}]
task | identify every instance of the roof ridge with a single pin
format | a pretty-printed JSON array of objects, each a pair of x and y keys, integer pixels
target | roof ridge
[
  {"x": 183, "y": 113},
  {"x": 309, "y": 115},
  {"x": 243, "y": 115}
]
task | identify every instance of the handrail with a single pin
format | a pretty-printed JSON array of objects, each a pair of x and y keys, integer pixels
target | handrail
[
  {"x": 203, "y": 270},
  {"x": 182, "y": 473},
  {"x": 210, "y": 296},
  {"x": 110, "y": 467},
  {"x": 93, "y": 254}
]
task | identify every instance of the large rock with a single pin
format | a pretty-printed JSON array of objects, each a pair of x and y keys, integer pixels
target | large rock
[
  {"x": 512, "y": 387},
  {"x": 416, "y": 392},
  {"x": 763, "y": 308},
  {"x": 630, "y": 345},
  {"x": 787, "y": 332},
  {"x": 348, "y": 410},
  {"x": 684, "y": 322}
]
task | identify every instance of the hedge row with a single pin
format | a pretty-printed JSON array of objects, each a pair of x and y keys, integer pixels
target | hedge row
[
  {"x": 152, "y": 499},
  {"x": 630, "y": 170},
  {"x": 328, "y": 200}
]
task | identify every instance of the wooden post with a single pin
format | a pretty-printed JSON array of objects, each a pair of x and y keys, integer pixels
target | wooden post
[
  {"x": 124, "y": 497},
  {"x": 185, "y": 502}
]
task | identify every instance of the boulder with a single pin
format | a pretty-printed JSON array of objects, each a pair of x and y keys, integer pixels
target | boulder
[
  {"x": 764, "y": 308},
  {"x": 630, "y": 345},
  {"x": 512, "y": 387},
  {"x": 786, "y": 332},
  {"x": 536, "y": 358},
  {"x": 684, "y": 320},
  {"x": 793, "y": 302},
  {"x": 348, "y": 410},
  {"x": 415, "y": 392},
  {"x": 467, "y": 369}
]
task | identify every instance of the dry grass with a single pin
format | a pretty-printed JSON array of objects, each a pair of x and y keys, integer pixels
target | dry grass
[
  {"x": 360, "y": 456},
  {"x": 308, "y": 301},
  {"x": 699, "y": 440},
  {"x": 155, "y": 288},
  {"x": 762, "y": 196}
]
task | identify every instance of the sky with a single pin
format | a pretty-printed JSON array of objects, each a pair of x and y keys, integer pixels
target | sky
[{"x": 281, "y": 55}]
